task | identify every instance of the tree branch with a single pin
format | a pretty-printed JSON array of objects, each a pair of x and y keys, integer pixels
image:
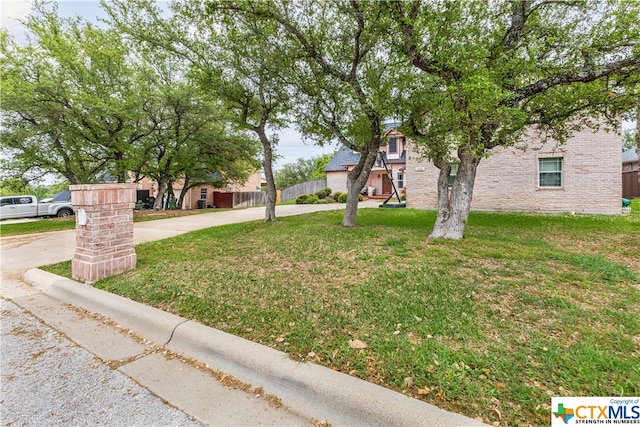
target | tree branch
[
  {"x": 514, "y": 32},
  {"x": 585, "y": 75}
]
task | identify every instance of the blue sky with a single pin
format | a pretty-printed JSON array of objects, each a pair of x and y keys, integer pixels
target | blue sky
[{"x": 290, "y": 146}]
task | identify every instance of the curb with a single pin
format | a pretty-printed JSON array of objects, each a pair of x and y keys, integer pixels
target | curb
[
  {"x": 148, "y": 322},
  {"x": 311, "y": 390}
]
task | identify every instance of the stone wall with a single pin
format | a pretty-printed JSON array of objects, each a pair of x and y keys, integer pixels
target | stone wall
[{"x": 337, "y": 181}]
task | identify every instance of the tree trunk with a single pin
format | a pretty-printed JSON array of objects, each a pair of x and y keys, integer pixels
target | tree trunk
[
  {"x": 162, "y": 189},
  {"x": 638, "y": 134},
  {"x": 185, "y": 188},
  {"x": 270, "y": 208},
  {"x": 454, "y": 204},
  {"x": 356, "y": 180},
  {"x": 171, "y": 197},
  {"x": 163, "y": 183}
]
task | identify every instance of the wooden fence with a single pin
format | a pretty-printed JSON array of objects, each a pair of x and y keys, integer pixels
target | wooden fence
[
  {"x": 307, "y": 187},
  {"x": 630, "y": 185},
  {"x": 249, "y": 199}
]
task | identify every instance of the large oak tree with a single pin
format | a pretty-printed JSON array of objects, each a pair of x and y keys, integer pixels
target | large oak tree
[
  {"x": 342, "y": 71},
  {"x": 79, "y": 101},
  {"x": 229, "y": 57},
  {"x": 69, "y": 99},
  {"x": 490, "y": 71}
]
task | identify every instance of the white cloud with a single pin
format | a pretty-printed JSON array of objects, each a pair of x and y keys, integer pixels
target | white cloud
[{"x": 11, "y": 11}]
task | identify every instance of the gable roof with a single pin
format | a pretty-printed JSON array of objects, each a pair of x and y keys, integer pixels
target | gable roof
[
  {"x": 630, "y": 156},
  {"x": 391, "y": 125},
  {"x": 344, "y": 156}
]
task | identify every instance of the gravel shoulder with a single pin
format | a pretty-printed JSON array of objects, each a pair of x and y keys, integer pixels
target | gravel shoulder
[{"x": 66, "y": 384}]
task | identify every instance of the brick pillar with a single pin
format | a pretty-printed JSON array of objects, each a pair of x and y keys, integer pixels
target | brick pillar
[{"x": 104, "y": 230}]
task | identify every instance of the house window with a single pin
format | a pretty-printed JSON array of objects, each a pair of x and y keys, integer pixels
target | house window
[
  {"x": 400, "y": 180},
  {"x": 393, "y": 146},
  {"x": 203, "y": 194},
  {"x": 550, "y": 172},
  {"x": 454, "y": 172}
]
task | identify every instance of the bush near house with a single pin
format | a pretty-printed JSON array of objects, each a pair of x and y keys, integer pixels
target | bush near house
[
  {"x": 323, "y": 193},
  {"x": 342, "y": 198},
  {"x": 321, "y": 196}
]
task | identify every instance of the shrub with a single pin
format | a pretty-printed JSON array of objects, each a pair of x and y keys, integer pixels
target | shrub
[
  {"x": 322, "y": 193},
  {"x": 342, "y": 198},
  {"x": 325, "y": 191},
  {"x": 336, "y": 195},
  {"x": 307, "y": 199},
  {"x": 302, "y": 199}
]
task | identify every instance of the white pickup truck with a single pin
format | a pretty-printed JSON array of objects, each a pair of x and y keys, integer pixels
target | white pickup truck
[{"x": 28, "y": 207}]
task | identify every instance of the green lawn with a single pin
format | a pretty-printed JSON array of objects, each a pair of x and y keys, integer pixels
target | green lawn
[{"x": 526, "y": 307}]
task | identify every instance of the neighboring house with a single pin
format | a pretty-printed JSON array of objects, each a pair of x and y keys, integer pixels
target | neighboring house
[
  {"x": 583, "y": 175},
  {"x": 206, "y": 192},
  {"x": 203, "y": 192},
  {"x": 379, "y": 184}
]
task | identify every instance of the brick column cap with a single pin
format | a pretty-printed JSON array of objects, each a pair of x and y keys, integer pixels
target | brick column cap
[{"x": 87, "y": 187}]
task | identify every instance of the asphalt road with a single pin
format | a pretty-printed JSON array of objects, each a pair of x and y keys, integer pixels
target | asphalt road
[{"x": 48, "y": 380}]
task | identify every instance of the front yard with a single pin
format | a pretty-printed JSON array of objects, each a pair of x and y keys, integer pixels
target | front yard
[{"x": 526, "y": 307}]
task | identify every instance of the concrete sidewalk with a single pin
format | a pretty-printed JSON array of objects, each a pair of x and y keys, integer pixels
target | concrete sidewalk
[{"x": 217, "y": 378}]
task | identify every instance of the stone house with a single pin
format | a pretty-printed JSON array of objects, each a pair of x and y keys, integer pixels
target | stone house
[{"x": 582, "y": 176}]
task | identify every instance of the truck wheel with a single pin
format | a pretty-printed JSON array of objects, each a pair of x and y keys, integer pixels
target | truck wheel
[{"x": 63, "y": 213}]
